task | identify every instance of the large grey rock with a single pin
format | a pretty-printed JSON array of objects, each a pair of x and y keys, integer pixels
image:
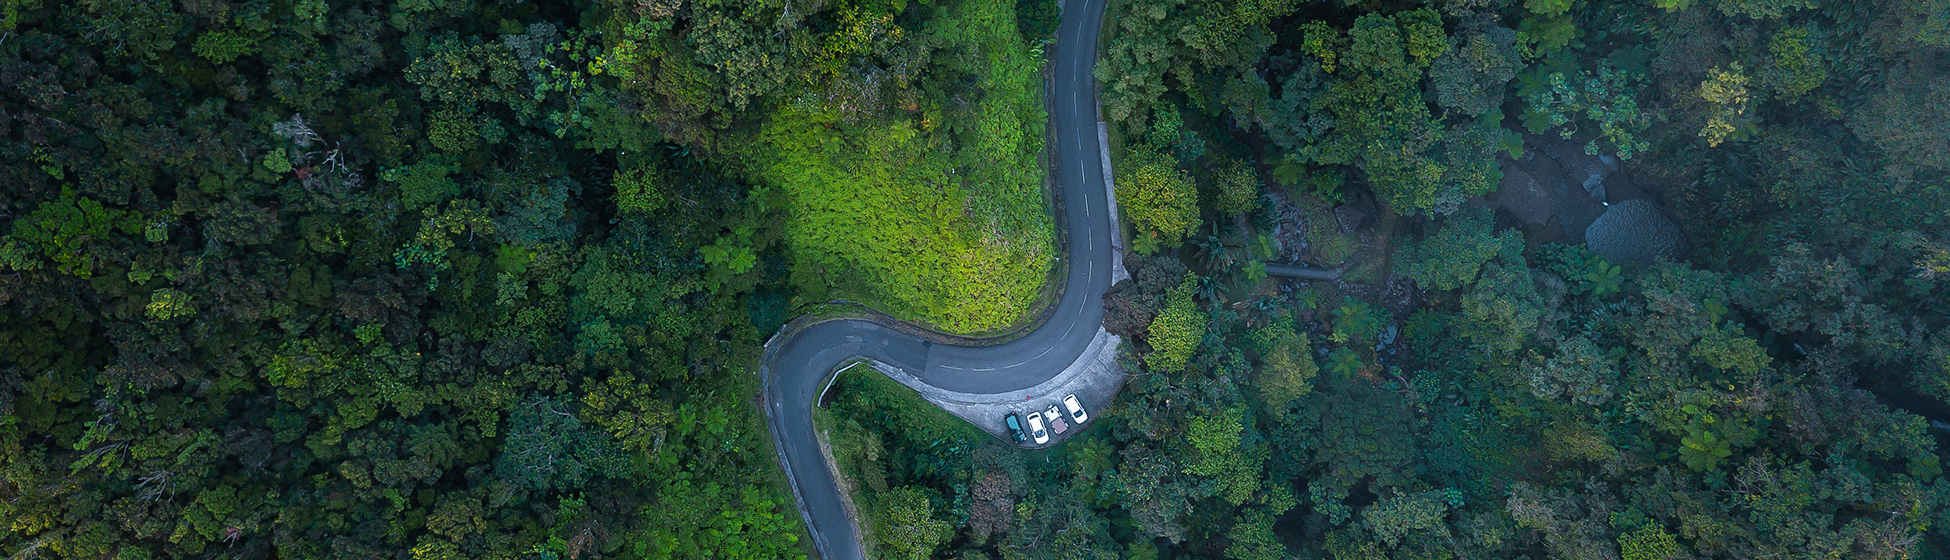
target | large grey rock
[{"x": 1636, "y": 232}]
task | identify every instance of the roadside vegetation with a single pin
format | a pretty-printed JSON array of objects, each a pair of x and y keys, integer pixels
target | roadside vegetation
[{"x": 913, "y": 178}]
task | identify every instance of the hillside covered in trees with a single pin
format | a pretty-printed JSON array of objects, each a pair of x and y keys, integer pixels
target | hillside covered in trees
[
  {"x": 441, "y": 279},
  {"x": 1626, "y": 280}
]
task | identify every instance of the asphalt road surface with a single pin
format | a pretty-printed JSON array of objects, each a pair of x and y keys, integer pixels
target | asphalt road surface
[{"x": 797, "y": 369}]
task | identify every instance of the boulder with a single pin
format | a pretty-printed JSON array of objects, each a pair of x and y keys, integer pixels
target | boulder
[{"x": 1635, "y": 231}]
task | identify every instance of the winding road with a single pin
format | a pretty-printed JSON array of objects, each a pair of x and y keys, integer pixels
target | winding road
[{"x": 797, "y": 368}]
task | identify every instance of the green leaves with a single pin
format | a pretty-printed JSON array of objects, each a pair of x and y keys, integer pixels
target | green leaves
[
  {"x": 1344, "y": 363},
  {"x": 1357, "y": 322},
  {"x": 65, "y": 228},
  {"x": 1215, "y": 437},
  {"x": 1159, "y": 201},
  {"x": 422, "y": 183},
  {"x": 1176, "y": 332},
  {"x": 639, "y": 190},
  {"x": 1368, "y": 112},
  {"x": 1608, "y": 99},
  {"x": 547, "y": 448},
  {"x": 1453, "y": 255},
  {"x": 168, "y": 303},
  {"x": 222, "y": 47},
  {"x": 1287, "y": 368}
]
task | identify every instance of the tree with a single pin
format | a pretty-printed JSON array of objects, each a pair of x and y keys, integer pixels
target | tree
[
  {"x": 1580, "y": 371},
  {"x": 1132, "y": 304},
  {"x": 1176, "y": 333},
  {"x": 547, "y": 448},
  {"x": 1470, "y": 77},
  {"x": 1422, "y": 515},
  {"x": 1725, "y": 92},
  {"x": 910, "y": 532},
  {"x": 1218, "y": 456},
  {"x": 1375, "y": 119},
  {"x": 1502, "y": 309},
  {"x": 1287, "y": 368},
  {"x": 1159, "y": 201},
  {"x": 1237, "y": 185},
  {"x": 1149, "y": 487}
]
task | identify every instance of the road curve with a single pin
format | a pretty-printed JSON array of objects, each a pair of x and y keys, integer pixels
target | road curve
[{"x": 797, "y": 368}]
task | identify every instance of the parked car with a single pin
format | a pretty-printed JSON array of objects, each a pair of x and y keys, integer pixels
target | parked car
[
  {"x": 1055, "y": 420},
  {"x": 1036, "y": 430},
  {"x": 1015, "y": 427},
  {"x": 1076, "y": 408}
]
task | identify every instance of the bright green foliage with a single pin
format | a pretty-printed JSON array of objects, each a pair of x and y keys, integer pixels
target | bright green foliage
[
  {"x": 1705, "y": 443},
  {"x": 168, "y": 303},
  {"x": 1218, "y": 456},
  {"x": 425, "y": 182},
  {"x": 1725, "y": 92},
  {"x": 1175, "y": 334},
  {"x": 453, "y": 131},
  {"x": 1454, "y": 254},
  {"x": 1159, "y": 201},
  {"x": 909, "y": 530},
  {"x": 1254, "y": 272},
  {"x": 1608, "y": 100},
  {"x": 946, "y": 226},
  {"x": 639, "y": 190},
  {"x": 222, "y": 47},
  {"x": 277, "y": 161},
  {"x": 1252, "y": 538},
  {"x": 1603, "y": 278},
  {"x": 858, "y": 220},
  {"x": 1287, "y": 367},
  {"x": 65, "y": 229},
  {"x": 1797, "y": 68},
  {"x": 1650, "y": 542},
  {"x": 732, "y": 252},
  {"x": 713, "y": 522}
]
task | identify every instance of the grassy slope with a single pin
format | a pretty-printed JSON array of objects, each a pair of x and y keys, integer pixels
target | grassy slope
[{"x": 938, "y": 217}]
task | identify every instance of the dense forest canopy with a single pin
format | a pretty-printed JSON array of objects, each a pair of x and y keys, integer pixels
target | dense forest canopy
[
  {"x": 1730, "y": 339},
  {"x": 444, "y": 279},
  {"x": 440, "y": 279}
]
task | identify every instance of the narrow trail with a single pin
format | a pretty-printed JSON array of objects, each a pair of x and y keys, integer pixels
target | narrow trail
[{"x": 798, "y": 365}]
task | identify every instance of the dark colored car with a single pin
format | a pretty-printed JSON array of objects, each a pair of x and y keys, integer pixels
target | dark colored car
[{"x": 1015, "y": 427}]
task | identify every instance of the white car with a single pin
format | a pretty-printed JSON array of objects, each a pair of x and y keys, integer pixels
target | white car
[
  {"x": 1036, "y": 431},
  {"x": 1076, "y": 408}
]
